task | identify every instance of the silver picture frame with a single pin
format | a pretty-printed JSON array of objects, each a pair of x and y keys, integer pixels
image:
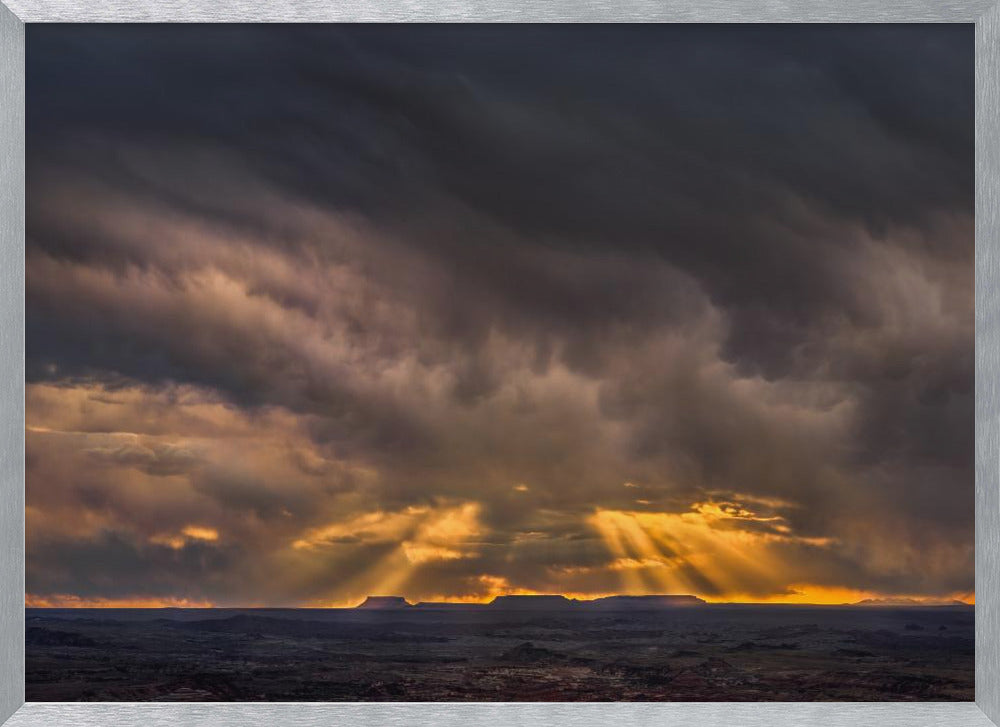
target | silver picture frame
[{"x": 984, "y": 14}]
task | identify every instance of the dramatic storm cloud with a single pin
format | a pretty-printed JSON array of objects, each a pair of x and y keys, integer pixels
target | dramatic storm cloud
[{"x": 448, "y": 312}]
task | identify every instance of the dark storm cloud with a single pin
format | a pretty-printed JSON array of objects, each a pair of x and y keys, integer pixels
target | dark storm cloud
[
  {"x": 689, "y": 142},
  {"x": 68, "y": 567},
  {"x": 519, "y": 267}
]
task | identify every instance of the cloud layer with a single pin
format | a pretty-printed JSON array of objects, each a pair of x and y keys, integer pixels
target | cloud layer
[{"x": 317, "y": 312}]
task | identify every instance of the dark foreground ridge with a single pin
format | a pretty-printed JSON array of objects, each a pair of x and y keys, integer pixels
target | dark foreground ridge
[{"x": 539, "y": 603}]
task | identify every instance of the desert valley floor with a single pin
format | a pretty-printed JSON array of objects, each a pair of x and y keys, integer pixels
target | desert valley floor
[{"x": 715, "y": 652}]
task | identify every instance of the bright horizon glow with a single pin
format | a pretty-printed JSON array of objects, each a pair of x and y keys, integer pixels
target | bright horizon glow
[{"x": 818, "y": 596}]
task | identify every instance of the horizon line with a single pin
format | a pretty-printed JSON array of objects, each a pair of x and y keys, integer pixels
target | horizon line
[{"x": 394, "y": 602}]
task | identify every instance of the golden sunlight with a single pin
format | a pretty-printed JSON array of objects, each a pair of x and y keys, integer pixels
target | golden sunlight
[
  {"x": 415, "y": 536},
  {"x": 708, "y": 551},
  {"x": 73, "y": 601}
]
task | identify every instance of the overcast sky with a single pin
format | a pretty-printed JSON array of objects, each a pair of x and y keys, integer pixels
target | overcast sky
[{"x": 446, "y": 312}]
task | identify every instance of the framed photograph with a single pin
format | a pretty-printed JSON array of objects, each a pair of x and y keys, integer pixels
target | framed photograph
[{"x": 444, "y": 364}]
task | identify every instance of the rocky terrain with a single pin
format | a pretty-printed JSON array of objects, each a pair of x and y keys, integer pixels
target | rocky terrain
[{"x": 705, "y": 653}]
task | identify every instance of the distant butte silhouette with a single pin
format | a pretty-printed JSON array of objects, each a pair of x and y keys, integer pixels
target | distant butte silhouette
[
  {"x": 634, "y": 603},
  {"x": 384, "y": 602},
  {"x": 899, "y": 602},
  {"x": 542, "y": 603},
  {"x": 532, "y": 602}
]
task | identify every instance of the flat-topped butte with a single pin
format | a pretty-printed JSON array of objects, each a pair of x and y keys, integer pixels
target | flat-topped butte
[{"x": 541, "y": 603}]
